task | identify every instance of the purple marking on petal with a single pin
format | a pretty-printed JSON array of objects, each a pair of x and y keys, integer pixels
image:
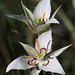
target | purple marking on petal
[
  {"x": 37, "y": 68},
  {"x": 29, "y": 62},
  {"x": 42, "y": 21},
  {"x": 43, "y": 49},
  {"x": 46, "y": 64},
  {"x": 39, "y": 19}
]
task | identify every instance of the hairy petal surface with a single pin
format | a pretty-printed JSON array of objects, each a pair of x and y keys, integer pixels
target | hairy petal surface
[
  {"x": 20, "y": 64},
  {"x": 53, "y": 66},
  {"x": 30, "y": 50},
  {"x": 42, "y": 7},
  {"x": 35, "y": 72}
]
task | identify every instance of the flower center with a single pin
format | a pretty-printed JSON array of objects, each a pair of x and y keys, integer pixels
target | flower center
[
  {"x": 46, "y": 63},
  {"x": 40, "y": 52},
  {"x": 41, "y": 20},
  {"x": 32, "y": 62}
]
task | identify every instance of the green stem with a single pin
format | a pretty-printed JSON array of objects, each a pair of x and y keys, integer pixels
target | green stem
[
  {"x": 52, "y": 73},
  {"x": 39, "y": 35}
]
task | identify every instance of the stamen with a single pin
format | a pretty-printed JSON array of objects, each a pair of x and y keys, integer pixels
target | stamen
[
  {"x": 34, "y": 63},
  {"x": 37, "y": 43},
  {"x": 46, "y": 63},
  {"x": 41, "y": 57},
  {"x": 30, "y": 20},
  {"x": 29, "y": 50},
  {"x": 28, "y": 57},
  {"x": 42, "y": 16},
  {"x": 48, "y": 50}
]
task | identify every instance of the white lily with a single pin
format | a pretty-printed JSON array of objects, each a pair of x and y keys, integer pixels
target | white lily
[
  {"x": 40, "y": 19},
  {"x": 36, "y": 58}
]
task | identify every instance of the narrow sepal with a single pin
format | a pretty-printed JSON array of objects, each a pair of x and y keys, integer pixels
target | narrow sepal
[
  {"x": 27, "y": 12},
  {"x": 56, "y": 12},
  {"x": 18, "y": 17},
  {"x": 59, "y": 51}
]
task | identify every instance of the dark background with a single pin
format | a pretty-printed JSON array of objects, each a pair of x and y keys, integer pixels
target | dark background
[{"x": 12, "y": 31}]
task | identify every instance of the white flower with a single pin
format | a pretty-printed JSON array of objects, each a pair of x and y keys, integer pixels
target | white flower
[
  {"x": 40, "y": 19},
  {"x": 39, "y": 58}
]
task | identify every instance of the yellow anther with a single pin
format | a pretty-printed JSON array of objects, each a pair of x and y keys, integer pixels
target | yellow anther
[
  {"x": 48, "y": 50},
  {"x": 28, "y": 57},
  {"x": 41, "y": 57},
  {"x": 42, "y": 16},
  {"x": 37, "y": 44},
  {"x": 34, "y": 63},
  {"x": 29, "y": 50},
  {"x": 30, "y": 20}
]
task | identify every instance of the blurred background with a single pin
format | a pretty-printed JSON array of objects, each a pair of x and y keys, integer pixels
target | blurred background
[{"x": 12, "y": 31}]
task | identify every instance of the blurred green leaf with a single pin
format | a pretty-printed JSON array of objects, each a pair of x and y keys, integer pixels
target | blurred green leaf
[
  {"x": 73, "y": 2},
  {"x": 1, "y": 73}
]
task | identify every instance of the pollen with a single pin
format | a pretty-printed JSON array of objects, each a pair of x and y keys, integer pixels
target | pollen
[{"x": 43, "y": 17}]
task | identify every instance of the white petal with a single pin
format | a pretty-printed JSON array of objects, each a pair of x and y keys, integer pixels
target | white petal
[
  {"x": 20, "y": 64},
  {"x": 59, "y": 51},
  {"x": 73, "y": 2},
  {"x": 55, "y": 12},
  {"x": 43, "y": 27},
  {"x": 35, "y": 72},
  {"x": 53, "y": 66},
  {"x": 27, "y": 47},
  {"x": 41, "y": 63},
  {"x": 28, "y": 13},
  {"x": 42, "y": 7},
  {"x": 18, "y": 17},
  {"x": 52, "y": 20},
  {"x": 45, "y": 40}
]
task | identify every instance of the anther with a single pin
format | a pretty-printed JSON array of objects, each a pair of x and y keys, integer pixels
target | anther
[
  {"x": 28, "y": 57},
  {"x": 29, "y": 50},
  {"x": 43, "y": 17}
]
